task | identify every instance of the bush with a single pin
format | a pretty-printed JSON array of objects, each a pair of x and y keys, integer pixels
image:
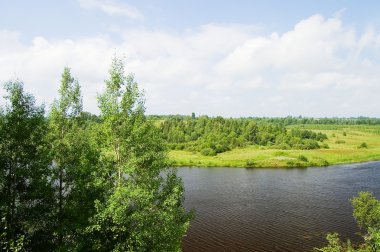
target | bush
[
  {"x": 344, "y": 133},
  {"x": 208, "y": 152},
  {"x": 363, "y": 145},
  {"x": 320, "y": 137},
  {"x": 292, "y": 163},
  {"x": 172, "y": 146},
  {"x": 326, "y": 163},
  {"x": 221, "y": 148},
  {"x": 180, "y": 146},
  {"x": 325, "y": 146},
  {"x": 283, "y": 146},
  {"x": 250, "y": 163},
  {"x": 340, "y": 141},
  {"x": 303, "y": 158},
  {"x": 308, "y": 144}
]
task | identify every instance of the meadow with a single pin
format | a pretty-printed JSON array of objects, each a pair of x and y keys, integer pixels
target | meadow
[{"x": 345, "y": 146}]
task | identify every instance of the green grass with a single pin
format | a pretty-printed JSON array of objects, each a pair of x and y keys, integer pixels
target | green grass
[{"x": 343, "y": 149}]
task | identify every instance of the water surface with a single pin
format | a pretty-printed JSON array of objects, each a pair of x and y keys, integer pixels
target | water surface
[{"x": 240, "y": 209}]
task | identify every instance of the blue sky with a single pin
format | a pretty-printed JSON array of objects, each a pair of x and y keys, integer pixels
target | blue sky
[{"x": 230, "y": 58}]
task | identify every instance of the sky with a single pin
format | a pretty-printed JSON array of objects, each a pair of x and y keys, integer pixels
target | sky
[{"x": 315, "y": 58}]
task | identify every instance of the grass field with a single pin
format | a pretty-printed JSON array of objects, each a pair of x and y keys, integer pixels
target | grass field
[{"x": 343, "y": 141}]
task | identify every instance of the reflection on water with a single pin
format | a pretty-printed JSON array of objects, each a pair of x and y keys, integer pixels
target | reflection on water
[{"x": 241, "y": 209}]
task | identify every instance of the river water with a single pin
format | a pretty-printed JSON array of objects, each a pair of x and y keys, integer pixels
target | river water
[{"x": 240, "y": 209}]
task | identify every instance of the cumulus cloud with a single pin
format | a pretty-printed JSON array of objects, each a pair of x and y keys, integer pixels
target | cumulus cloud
[
  {"x": 111, "y": 7},
  {"x": 320, "y": 67}
]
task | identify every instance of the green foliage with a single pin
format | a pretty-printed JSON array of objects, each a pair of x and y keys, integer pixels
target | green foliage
[
  {"x": 208, "y": 152},
  {"x": 366, "y": 210},
  {"x": 363, "y": 146},
  {"x": 193, "y": 115},
  {"x": 250, "y": 163},
  {"x": 290, "y": 120},
  {"x": 325, "y": 146},
  {"x": 26, "y": 194},
  {"x": 334, "y": 244},
  {"x": 372, "y": 239},
  {"x": 220, "y": 134},
  {"x": 74, "y": 166},
  {"x": 143, "y": 209},
  {"x": 294, "y": 163},
  {"x": 78, "y": 182},
  {"x": 339, "y": 141},
  {"x": 14, "y": 244},
  {"x": 303, "y": 158}
]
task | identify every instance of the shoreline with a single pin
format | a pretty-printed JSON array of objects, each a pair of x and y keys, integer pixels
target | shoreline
[
  {"x": 344, "y": 147},
  {"x": 278, "y": 167}
]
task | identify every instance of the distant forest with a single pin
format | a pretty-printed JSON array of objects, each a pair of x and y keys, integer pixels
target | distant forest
[
  {"x": 212, "y": 135},
  {"x": 289, "y": 120}
]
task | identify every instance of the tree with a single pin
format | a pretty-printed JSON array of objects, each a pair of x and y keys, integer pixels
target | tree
[
  {"x": 74, "y": 165},
  {"x": 25, "y": 176},
  {"x": 193, "y": 116},
  {"x": 61, "y": 119},
  {"x": 144, "y": 207},
  {"x": 366, "y": 210}
]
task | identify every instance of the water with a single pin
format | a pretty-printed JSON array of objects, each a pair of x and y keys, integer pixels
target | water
[{"x": 241, "y": 209}]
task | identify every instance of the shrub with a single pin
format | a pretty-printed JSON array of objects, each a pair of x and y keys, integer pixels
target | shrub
[
  {"x": 325, "y": 146},
  {"x": 340, "y": 141},
  {"x": 219, "y": 148},
  {"x": 283, "y": 146},
  {"x": 250, "y": 163},
  {"x": 180, "y": 146},
  {"x": 292, "y": 163},
  {"x": 320, "y": 137},
  {"x": 309, "y": 144},
  {"x": 208, "y": 152},
  {"x": 172, "y": 146},
  {"x": 303, "y": 158},
  {"x": 363, "y": 145}
]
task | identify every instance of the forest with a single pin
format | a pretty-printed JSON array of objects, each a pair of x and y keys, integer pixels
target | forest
[
  {"x": 71, "y": 181},
  {"x": 213, "y": 135},
  {"x": 268, "y": 142}
]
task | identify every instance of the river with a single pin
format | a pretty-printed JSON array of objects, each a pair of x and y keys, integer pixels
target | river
[{"x": 240, "y": 209}]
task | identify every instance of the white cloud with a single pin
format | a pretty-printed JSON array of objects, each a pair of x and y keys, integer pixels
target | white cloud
[
  {"x": 112, "y": 7},
  {"x": 318, "y": 68}
]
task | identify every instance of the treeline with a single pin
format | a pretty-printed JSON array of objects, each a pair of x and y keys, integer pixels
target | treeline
[
  {"x": 212, "y": 135},
  {"x": 72, "y": 181},
  {"x": 323, "y": 121},
  {"x": 291, "y": 120}
]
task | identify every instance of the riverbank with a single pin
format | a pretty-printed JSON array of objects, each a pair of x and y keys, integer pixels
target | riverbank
[{"x": 345, "y": 146}]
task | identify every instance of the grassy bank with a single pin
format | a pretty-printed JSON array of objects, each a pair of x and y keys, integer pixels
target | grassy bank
[{"x": 343, "y": 141}]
